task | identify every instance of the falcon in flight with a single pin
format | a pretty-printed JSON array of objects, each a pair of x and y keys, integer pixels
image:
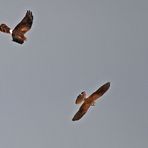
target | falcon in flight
[
  {"x": 89, "y": 101},
  {"x": 19, "y": 31}
]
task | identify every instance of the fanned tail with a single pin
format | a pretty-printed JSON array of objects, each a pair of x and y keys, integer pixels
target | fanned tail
[{"x": 4, "y": 28}]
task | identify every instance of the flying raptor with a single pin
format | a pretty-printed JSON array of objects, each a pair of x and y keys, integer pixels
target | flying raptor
[
  {"x": 89, "y": 101},
  {"x": 19, "y": 31}
]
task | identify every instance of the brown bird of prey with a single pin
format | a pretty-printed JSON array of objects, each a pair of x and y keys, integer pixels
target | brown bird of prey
[
  {"x": 89, "y": 101},
  {"x": 19, "y": 31}
]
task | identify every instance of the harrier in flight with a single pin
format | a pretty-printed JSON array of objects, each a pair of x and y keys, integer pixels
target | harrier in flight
[
  {"x": 89, "y": 101},
  {"x": 19, "y": 31}
]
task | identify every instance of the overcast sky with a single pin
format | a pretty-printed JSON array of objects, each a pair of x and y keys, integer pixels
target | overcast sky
[{"x": 75, "y": 45}]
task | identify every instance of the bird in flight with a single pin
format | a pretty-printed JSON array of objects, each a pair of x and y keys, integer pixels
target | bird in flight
[
  {"x": 19, "y": 31},
  {"x": 89, "y": 101}
]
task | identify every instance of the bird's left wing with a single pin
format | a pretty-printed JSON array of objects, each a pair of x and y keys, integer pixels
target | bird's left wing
[{"x": 82, "y": 110}]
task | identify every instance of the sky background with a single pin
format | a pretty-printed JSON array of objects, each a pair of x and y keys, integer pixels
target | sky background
[{"x": 75, "y": 45}]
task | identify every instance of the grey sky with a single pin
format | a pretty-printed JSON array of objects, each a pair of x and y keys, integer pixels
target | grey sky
[{"x": 74, "y": 46}]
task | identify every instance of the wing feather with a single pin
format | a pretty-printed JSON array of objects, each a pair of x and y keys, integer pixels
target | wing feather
[
  {"x": 81, "y": 112},
  {"x": 25, "y": 24},
  {"x": 98, "y": 93}
]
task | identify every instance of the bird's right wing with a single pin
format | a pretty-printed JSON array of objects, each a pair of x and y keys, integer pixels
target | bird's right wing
[
  {"x": 98, "y": 93},
  {"x": 25, "y": 23}
]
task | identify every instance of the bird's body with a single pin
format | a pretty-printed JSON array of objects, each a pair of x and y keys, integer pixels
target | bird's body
[
  {"x": 19, "y": 31},
  {"x": 90, "y": 101}
]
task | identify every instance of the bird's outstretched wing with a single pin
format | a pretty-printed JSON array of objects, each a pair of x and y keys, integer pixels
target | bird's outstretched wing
[
  {"x": 98, "y": 93},
  {"x": 25, "y": 24},
  {"x": 82, "y": 110}
]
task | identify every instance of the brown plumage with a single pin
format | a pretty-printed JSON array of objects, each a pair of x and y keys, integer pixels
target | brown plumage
[
  {"x": 4, "y": 28},
  {"x": 80, "y": 97},
  {"x": 90, "y": 101},
  {"x": 19, "y": 31}
]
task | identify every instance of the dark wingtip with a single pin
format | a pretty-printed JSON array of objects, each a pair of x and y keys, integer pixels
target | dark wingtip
[
  {"x": 29, "y": 13},
  {"x": 18, "y": 41},
  {"x": 73, "y": 119},
  {"x": 108, "y": 84}
]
